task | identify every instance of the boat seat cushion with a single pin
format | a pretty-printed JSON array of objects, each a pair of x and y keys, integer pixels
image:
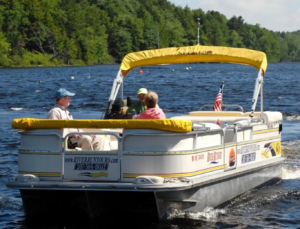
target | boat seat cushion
[
  {"x": 212, "y": 119},
  {"x": 272, "y": 116}
]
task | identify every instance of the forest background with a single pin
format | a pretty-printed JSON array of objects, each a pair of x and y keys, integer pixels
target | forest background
[{"x": 91, "y": 32}]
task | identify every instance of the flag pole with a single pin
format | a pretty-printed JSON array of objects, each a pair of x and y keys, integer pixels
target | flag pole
[
  {"x": 217, "y": 106},
  {"x": 198, "y": 30},
  {"x": 222, "y": 85}
]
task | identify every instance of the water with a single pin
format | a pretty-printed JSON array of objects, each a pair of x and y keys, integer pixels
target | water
[{"x": 181, "y": 88}]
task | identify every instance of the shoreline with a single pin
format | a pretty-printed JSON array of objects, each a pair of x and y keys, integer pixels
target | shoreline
[
  {"x": 72, "y": 66},
  {"x": 59, "y": 66}
]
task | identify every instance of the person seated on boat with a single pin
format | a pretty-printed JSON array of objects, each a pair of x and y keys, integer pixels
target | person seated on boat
[
  {"x": 60, "y": 111},
  {"x": 152, "y": 111},
  {"x": 138, "y": 106}
]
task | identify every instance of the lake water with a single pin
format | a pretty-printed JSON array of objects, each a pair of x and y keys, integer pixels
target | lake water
[{"x": 181, "y": 88}]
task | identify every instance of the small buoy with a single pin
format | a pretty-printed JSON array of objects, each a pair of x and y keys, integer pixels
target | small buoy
[
  {"x": 140, "y": 71},
  {"x": 190, "y": 67},
  {"x": 72, "y": 77},
  {"x": 173, "y": 70},
  {"x": 187, "y": 68}
]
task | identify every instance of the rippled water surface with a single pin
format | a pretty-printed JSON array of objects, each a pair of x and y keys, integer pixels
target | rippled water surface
[{"x": 181, "y": 88}]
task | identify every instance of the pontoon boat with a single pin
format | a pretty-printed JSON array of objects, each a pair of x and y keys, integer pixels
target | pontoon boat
[{"x": 185, "y": 162}]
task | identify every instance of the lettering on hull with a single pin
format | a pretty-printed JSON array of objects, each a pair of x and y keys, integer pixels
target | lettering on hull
[
  {"x": 91, "y": 163},
  {"x": 248, "y": 157},
  {"x": 198, "y": 157},
  {"x": 213, "y": 157},
  {"x": 248, "y": 148}
]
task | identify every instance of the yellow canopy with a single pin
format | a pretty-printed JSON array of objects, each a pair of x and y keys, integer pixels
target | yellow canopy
[
  {"x": 194, "y": 54},
  {"x": 160, "y": 124}
]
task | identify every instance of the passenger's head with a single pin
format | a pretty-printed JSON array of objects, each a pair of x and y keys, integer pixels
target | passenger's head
[
  {"x": 63, "y": 97},
  {"x": 141, "y": 94},
  {"x": 151, "y": 99}
]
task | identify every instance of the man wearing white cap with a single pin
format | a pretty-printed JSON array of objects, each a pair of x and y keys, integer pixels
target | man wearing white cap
[{"x": 86, "y": 142}]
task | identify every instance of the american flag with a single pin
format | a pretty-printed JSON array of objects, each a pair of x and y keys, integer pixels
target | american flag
[{"x": 218, "y": 101}]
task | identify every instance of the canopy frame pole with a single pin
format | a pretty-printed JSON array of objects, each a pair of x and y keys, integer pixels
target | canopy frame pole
[
  {"x": 116, "y": 85},
  {"x": 114, "y": 92},
  {"x": 261, "y": 99},
  {"x": 198, "y": 31},
  {"x": 122, "y": 90},
  {"x": 257, "y": 89}
]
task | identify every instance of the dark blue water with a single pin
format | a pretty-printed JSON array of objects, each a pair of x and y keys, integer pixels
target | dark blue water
[{"x": 181, "y": 88}]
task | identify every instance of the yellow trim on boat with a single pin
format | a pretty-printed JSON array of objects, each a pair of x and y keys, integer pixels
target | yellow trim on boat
[
  {"x": 43, "y": 174},
  {"x": 265, "y": 131},
  {"x": 194, "y": 54},
  {"x": 38, "y": 152},
  {"x": 159, "y": 124},
  {"x": 260, "y": 140},
  {"x": 129, "y": 175},
  {"x": 196, "y": 151}
]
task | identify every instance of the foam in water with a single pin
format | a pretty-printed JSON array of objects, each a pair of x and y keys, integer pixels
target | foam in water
[
  {"x": 293, "y": 117},
  {"x": 291, "y": 168},
  {"x": 208, "y": 213},
  {"x": 291, "y": 171},
  {"x": 290, "y": 151},
  {"x": 17, "y": 108}
]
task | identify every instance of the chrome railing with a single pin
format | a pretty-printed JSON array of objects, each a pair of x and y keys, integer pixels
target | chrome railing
[{"x": 121, "y": 140}]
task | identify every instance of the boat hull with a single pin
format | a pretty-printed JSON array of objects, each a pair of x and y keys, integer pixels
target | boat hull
[
  {"x": 218, "y": 191},
  {"x": 145, "y": 204},
  {"x": 73, "y": 205}
]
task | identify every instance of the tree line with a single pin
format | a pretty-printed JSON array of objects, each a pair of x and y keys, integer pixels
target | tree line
[{"x": 89, "y": 32}]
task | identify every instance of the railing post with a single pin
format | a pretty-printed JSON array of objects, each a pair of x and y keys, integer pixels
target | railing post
[
  {"x": 120, "y": 156},
  {"x": 195, "y": 141},
  {"x": 63, "y": 159}
]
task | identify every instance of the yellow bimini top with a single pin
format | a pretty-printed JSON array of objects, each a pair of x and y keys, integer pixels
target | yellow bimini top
[{"x": 194, "y": 54}]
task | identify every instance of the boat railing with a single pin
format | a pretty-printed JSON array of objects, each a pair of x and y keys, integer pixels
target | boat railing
[
  {"x": 234, "y": 139},
  {"x": 122, "y": 139},
  {"x": 195, "y": 133},
  {"x": 223, "y": 105},
  {"x": 64, "y": 147},
  {"x": 39, "y": 134}
]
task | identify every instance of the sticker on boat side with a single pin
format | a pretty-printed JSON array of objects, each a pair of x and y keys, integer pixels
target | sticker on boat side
[
  {"x": 213, "y": 157},
  {"x": 91, "y": 163},
  {"x": 248, "y": 148},
  {"x": 198, "y": 157},
  {"x": 232, "y": 157},
  {"x": 94, "y": 175},
  {"x": 271, "y": 148},
  {"x": 248, "y": 157}
]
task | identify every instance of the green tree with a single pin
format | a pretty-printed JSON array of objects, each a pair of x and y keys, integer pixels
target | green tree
[
  {"x": 15, "y": 25},
  {"x": 235, "y": 40},
  {"x": 4, "y": 50},
  {"x": 76, "y": 32}
]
